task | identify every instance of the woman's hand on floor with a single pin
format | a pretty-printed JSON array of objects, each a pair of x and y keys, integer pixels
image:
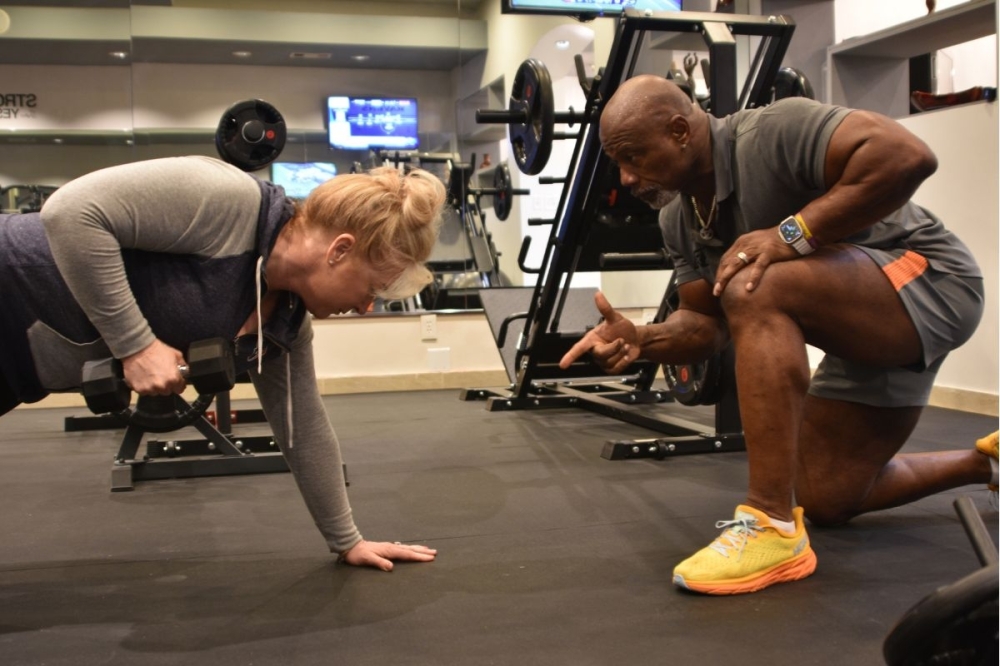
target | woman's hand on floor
[{"x": 381, "y": 554}]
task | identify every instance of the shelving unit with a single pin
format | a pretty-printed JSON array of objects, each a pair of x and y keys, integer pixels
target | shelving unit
[
  {"x": 67, "y": 137},
  {"x": 872, "y": 72},
  {"x": 139, "y": 136}
]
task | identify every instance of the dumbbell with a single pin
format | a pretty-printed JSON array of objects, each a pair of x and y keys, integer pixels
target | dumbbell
[{"x": 210, "y": 369}]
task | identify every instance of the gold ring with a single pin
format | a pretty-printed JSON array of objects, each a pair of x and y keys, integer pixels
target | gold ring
[{"x": 742, "y": 256}]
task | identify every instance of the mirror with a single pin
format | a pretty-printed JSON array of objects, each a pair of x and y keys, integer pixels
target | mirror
[
  {"x": 90, "y": 85},
  {"x": 313, "y": 62},
  {"x": 66, "y": 104}
]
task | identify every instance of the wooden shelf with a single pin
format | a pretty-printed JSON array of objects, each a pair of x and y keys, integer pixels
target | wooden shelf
[
  {"x": 67, "y": 137},
  {"x": 142, "y": 136}
]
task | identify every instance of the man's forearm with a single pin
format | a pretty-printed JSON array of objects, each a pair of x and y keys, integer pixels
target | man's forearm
[{"x": 685, "y": 337}]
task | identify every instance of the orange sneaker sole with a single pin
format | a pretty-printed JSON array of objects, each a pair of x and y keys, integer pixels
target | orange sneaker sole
[{"x": 799, "y": 567}]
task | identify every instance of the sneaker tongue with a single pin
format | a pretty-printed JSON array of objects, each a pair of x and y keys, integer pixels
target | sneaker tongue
[{"x": 746, "y": 515}]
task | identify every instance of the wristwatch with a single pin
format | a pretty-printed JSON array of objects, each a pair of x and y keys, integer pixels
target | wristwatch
[{"x": 794, "y": 233}]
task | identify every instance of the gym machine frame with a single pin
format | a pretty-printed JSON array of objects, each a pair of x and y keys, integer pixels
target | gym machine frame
[{"x": 539, "y": 382}]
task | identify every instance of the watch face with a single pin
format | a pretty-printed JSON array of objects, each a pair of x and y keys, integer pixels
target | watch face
[{"x": 790, "y": 230}]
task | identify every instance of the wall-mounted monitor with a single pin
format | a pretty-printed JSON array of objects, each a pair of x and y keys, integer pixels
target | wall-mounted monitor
[
  {"x": 586, "y": 8},
  {"x": 300, "y": 178},
  {"x": 363, "y": 123}
]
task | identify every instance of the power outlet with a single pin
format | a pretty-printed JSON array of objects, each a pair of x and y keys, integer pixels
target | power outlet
[
  {"x": 428, "y": 327},
  {"x": 439, "y": 359}
]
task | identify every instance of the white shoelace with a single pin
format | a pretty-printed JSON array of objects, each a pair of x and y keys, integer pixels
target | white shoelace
[{"x": 735, "y": 536}]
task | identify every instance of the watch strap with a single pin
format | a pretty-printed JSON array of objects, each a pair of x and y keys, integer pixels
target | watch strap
[{"x": 802, "y": 245}]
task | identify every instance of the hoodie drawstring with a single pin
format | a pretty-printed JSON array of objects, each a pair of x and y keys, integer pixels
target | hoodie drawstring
[{"x": 260, "y": 357}]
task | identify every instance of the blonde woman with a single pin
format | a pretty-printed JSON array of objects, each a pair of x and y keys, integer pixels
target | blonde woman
[{"x": 139, "y": 260}]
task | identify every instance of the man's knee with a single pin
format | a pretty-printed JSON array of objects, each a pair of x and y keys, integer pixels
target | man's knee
[
  {"x": 827, "y": 514},
  {"x": 765, "y": 297},
  {"x": 825, "y": 504}
]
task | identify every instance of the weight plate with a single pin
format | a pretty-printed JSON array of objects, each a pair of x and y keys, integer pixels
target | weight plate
[
  {"x": 504, "y": 192},
  {"x": 790, "y": 82},
  {"x": 531, "y": 98},
  {"x": 686, "y": 383},
  {"x": 251, "y": 134},
  {"x": 956, "y": 624},
  {"x": 694, "y": 384}
]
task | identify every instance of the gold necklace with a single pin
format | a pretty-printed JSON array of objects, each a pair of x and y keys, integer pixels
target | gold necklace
[{"x": 706, "y": 232}]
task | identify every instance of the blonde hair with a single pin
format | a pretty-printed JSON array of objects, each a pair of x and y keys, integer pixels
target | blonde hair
[{"x": 394, "y": 217}]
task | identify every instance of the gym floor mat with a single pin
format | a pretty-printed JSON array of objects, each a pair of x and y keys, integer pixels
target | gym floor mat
[{"x": 548, "y": 554}]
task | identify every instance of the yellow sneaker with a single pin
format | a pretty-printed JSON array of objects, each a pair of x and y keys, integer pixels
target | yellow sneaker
[
  {"x": 749, "y": 555},
  {"x": 988, "y": 447}
]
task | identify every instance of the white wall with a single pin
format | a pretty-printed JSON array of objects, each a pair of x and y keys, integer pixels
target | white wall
[
  {"x": 853, "y": 18},
  {"x": 959, "y": 67},
  {"x": 964, "y": 191},
  {"x": 352, "y": 346}
]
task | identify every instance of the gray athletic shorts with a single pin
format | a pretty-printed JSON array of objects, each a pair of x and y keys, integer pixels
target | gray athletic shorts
[{"x": 945, "y": 309}]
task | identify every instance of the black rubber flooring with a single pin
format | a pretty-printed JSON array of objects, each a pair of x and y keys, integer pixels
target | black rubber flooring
[{"x": 548, "y": 553}]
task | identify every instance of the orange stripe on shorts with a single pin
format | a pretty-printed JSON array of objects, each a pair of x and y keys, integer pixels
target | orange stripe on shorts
[{"x": 904, "y": 270}]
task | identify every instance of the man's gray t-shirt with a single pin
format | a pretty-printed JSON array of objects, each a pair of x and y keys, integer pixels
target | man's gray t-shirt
[{"x": 769, "y": 163}]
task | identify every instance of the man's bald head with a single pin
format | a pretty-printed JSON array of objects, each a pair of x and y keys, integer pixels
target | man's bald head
[
  {"x": 657, "y": 137},
  {"x": 651, "y": 98}
]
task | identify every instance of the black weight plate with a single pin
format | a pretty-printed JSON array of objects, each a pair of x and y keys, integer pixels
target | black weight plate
[
  {"x": 251, "y": 134},
  {"x": 531, "y": 96},
  {"x": 504, "y": 192},
  {"x": 685, "y": 383},
  {"x": 790, "y": 82},
  {"x": 956, "y": 624},
  {"x": 211, "y": 365},
  {"x": 694, "y": 384}
]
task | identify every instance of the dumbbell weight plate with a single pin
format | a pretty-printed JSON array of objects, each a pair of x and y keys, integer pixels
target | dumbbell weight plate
[
  {"x": 211, "y": 366},
  {"x": 103, "y": 388},
  {"x": 251, "y": 134},
  {"x": 504, "y": 192},
  {"x": 531, "y": 97},
  {"x": 696, "y": 384},
  {"x": 791, "y": 82}
]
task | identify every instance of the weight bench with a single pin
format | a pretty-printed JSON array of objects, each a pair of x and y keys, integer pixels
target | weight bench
[{"x": 220, "y": 453}]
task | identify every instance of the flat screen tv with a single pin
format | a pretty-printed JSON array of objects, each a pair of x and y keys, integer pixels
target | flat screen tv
[
  {"x": 363, "y": 123},
  {"x": 301, "y": 178},
  {"x": 586, "y": 8}
]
